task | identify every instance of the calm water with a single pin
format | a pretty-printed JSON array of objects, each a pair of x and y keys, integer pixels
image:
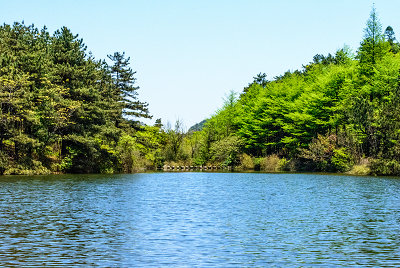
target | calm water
[{"x": 199, "y": 219}]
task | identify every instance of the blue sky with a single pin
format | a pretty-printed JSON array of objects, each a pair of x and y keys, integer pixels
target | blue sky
[{"x": 189, "y": 54}]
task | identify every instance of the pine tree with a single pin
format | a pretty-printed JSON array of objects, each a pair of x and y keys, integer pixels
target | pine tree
[
  {"x": 373, "y": 46},
  {"x": 125, "y": 89},
  {"x": 391, "y": 39}
]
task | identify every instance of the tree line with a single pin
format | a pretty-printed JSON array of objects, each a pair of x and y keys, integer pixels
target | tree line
[
  {"x": 63, "y": 111},
  {"x": 339, "y": 113}
]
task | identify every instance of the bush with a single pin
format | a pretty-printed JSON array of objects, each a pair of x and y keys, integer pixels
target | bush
[
  {"x": 341, "y": 160},
  {"x": 226, "y": 151},
  {"x": 271, "y": 163},
  {"x": 246, "y": 162},
  {"x": 129, "y": 155},
  {"x": 3, "y": 162},
  {"x": 361, "y": 169},
  {"x": 385, "y": 167},
  {"x": 34, "y": 168},
  {"x": 67, "y": 161},
  {"x": 326, "y": 155},
  {"x": 285, "y": 165}
]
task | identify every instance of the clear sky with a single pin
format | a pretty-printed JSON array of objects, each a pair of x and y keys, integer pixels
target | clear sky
[{"x": 189, "y": 54}]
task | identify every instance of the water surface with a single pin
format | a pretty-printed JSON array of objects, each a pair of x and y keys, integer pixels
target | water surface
[{"x": 200, "y": 219}]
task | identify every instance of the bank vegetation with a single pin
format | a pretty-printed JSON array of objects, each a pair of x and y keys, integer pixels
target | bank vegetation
[{"x": 63, "y": 111}]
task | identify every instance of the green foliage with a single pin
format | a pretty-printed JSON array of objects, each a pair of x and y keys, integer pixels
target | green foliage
[
  {"x": 129, "y": 154},
  {"x": 360, "y": 169},
  {"x": 327, "y": 155},
  {"x": 150, "y": 141},
  {"x": 3, "y": 162},
  {"x": 391, "y": 39},
  {"x": 247, "y": 162},
  {"x": 385, "y": 167},
  {"x": 60, "y": 109},
  {"x": 126, "y": 93},
  {"x": 173, "y": 149},
  {"x": 226, "y": 151},
  {"x": 67, "y": 162},
  {"x": 341, "y": 160},
  {"x": 373, "y": 46},
  {"x": 270, "y": 163},
  {"x": 63, "y": 111},
  {"x": 326, "y": 117}
]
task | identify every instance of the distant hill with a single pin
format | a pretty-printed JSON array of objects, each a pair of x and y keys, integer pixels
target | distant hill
[{"x": 198, "y": 126}]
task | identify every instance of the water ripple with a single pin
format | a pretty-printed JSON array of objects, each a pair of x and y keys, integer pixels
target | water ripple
[{"x": 200, "y": 220}]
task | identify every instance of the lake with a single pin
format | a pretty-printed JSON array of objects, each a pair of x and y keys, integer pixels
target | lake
[{"x": 200, "y": 220}]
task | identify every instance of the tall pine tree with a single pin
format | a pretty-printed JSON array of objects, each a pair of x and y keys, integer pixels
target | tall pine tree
[
  {"x": 125, "y": 90},
  {"x": 373, "y": 46}
]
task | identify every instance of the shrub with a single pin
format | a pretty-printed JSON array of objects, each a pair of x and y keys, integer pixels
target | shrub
[
  {"x": 385, "y": 167},
  {"x": 326, "y": 155},
  {"x": 67, "y": 161},
  {"x": 34, "y": 168},
  {"x": 340, "y": 160},
  {"x": 284, "y": 164},
  {"x": 129, "y": 154},
  {"x": 361, "y": 169},
  {"x": 246, "y": 162},
  {"x": 226, "y": 151},
  {"x": 271, "y": 163},
  {"x": 3, "y": 162}
]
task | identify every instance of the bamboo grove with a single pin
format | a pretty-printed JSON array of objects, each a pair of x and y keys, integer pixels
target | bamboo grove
[{"x": 63, "y": 111}]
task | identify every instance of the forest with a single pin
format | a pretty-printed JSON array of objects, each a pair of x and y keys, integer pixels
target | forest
[{"x": 63, "y": 111}]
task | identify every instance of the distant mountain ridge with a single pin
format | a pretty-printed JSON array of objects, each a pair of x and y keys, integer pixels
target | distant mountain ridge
[{"x": 197, "y": 127}]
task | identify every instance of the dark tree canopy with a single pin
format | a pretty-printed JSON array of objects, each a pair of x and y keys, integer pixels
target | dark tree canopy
[
  {"x": 391, "y": 39},
  {"x": 60, "y": 109}
]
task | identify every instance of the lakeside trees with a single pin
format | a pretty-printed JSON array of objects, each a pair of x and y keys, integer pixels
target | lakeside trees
[
  {"x": 338, "y": 113},
  {"x": 61, "y": 110}
]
